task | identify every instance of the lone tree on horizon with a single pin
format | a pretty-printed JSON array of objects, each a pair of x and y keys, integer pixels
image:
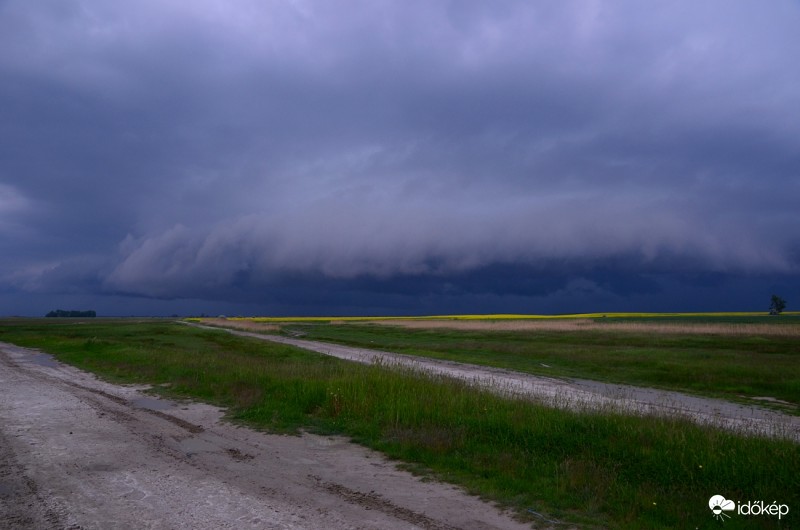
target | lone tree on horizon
[{"x": 777, "y": 305}]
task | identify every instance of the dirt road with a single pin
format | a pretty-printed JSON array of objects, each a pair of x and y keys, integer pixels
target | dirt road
[
  {"x": 570, "y": 393},
  {"x": 76, "y": 452}
]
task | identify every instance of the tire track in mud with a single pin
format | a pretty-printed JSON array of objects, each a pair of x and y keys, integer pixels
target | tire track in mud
[
  {"x": 18, "y": 491},
  {"x": 192, "y": 428},
  {"x": 374, "y": 501}
]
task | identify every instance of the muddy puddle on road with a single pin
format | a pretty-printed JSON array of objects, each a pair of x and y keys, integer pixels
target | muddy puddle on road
[
  {"x": 142, "y": 402},
  {"x": 41, "y": 359}
]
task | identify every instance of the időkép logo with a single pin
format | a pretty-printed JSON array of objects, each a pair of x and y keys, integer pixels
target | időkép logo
[{"x": 722, "y": 508}]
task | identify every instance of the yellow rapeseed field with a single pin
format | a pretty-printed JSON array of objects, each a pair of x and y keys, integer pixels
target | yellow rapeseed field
[
  {"x": 618, "y": 322},
  {"x": 507, "y": 316}
]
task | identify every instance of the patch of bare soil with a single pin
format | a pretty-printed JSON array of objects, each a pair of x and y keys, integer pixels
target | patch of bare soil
[
  {"x": 76, "y": 452},
  {"x": 244, "y": 325}
]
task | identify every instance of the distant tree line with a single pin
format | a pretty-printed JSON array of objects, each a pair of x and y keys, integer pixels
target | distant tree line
[{"x": 71, "y": 314}]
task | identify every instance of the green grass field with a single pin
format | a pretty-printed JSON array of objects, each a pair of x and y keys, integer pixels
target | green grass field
[
  {"x": 591, "y": 469},
  {"x": 735, "y": 357}
]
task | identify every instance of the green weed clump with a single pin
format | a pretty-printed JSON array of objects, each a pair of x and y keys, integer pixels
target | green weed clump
[{"x": 587, "y": 468}]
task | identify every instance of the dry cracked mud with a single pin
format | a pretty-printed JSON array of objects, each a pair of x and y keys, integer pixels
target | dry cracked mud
[{"x": 80, "y": 453}]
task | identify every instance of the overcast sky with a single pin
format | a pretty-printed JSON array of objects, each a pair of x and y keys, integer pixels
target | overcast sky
[{"x": 398, "y": 157}]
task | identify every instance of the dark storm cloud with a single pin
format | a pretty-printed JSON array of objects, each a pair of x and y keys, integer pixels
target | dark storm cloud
[{"x": 456, "y": 150}]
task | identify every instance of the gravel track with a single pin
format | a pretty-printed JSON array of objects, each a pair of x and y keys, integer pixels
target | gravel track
[{"x": 79, "y": 453}]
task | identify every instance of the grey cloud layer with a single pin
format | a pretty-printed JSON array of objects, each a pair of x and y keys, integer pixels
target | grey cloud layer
[{"x": 171, "y": 147}]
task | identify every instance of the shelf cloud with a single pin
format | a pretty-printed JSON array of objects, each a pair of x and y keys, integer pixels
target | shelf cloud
[{"x": 401, "y": 157}]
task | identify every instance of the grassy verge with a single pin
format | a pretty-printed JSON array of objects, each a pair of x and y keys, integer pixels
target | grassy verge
[
  {"x": 731, "y": 366},
  {"x": 588, "y": 468}
]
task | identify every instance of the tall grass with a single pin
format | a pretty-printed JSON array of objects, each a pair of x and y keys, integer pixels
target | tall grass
[
  {"x": 589, "y": 468},
  {"x": 730, "y": 366}
]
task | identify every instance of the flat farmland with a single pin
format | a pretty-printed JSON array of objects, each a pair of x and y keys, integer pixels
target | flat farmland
[
  {"x": 555, "y": 468},
  {"x": 745, "y": 358}
]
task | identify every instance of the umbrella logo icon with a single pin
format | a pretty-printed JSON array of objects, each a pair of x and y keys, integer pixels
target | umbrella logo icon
[{"x": 719, "y": 505}]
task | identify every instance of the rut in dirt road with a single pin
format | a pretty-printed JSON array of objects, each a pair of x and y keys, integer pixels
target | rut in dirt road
[
  {"x": 566, "y": 393},
  {"x": 76, "y": 452}
]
